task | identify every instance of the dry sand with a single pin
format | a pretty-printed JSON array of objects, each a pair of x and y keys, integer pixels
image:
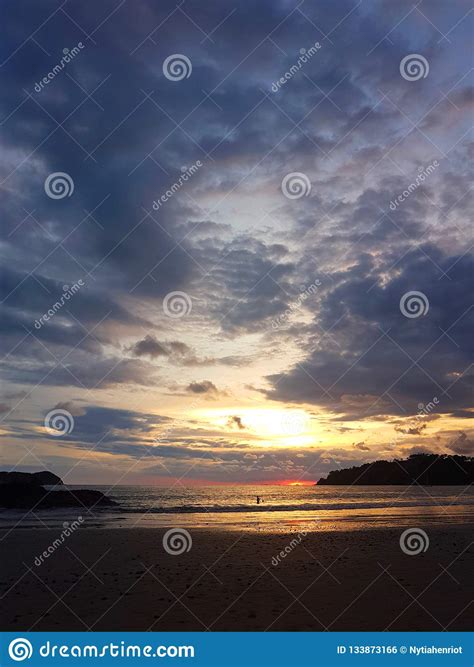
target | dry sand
[{"x": 358, "y": 580}]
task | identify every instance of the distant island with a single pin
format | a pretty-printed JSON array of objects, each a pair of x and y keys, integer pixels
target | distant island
[
  {"x": 424, "y": 469},
  {"x": 23, "y": 490}
]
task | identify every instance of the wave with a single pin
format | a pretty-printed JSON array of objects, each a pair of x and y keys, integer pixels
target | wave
[{"x": 313, "y": 507}]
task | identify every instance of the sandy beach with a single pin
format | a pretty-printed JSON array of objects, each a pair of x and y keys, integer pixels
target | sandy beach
[{"x": 123, "y": 579}]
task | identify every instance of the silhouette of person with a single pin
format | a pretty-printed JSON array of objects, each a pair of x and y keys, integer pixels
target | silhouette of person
[{"x": 258, "y": 500}]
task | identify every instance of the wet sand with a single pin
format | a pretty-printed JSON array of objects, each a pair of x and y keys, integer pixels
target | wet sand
[{"x": 123, "y": 579}]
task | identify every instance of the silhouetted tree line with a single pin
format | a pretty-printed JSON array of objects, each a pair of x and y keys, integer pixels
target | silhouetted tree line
[{"x": 424, "y": 469}]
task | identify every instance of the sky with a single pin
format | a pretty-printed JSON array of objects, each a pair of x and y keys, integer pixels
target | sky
[{"x": 235, "y": 237}]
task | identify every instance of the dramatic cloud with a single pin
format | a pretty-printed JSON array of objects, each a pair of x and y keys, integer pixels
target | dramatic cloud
[
  {"x": 463, "y": 445},
  {"x": 183, "y": 253},
  {"x": 203, "y": 387},
  {"x": 397, "y": 361},
  {"x": 235, "y": 422},
  {"x": 148, "y": 347},
  {"x": 411, "y": 430},
  {"x": 362, "y": 446}
]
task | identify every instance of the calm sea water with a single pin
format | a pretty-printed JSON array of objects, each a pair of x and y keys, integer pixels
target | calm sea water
[{"x": 282, "y": 507}]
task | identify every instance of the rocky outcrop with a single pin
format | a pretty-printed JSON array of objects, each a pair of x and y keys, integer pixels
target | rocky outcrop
[
  {"x": 44, "y": 478},
  {"x": 26, "y": 491},
  {"x": 29, "y": 496}
]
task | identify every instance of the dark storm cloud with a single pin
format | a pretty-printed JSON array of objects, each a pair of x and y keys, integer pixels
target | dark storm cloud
[
  {"x": 20, "y": 339},
  {"x": 202, "y": 387},
  {"x": 180, "y": 354},
  {"x": 395, "y": 360},
  {"x": 36, "y": 295},
  {"x": 38, "y": 314},
  {"x": 122, "y": 243},
  {"x": 250, "y": 287},
  {"x": 71, "y": 407},
  {"x": 104, "y": 427},
  {"x": 148, "y": 347},
  {"x": 90, "y": 372}
]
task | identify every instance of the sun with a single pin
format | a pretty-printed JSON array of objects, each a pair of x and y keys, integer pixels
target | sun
[
  {"x": 298, "y": 483},
  {"x": 289, "y": 427}
]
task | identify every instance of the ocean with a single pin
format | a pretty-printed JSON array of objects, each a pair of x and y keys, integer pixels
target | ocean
[{"x": 282, "y": 508}]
